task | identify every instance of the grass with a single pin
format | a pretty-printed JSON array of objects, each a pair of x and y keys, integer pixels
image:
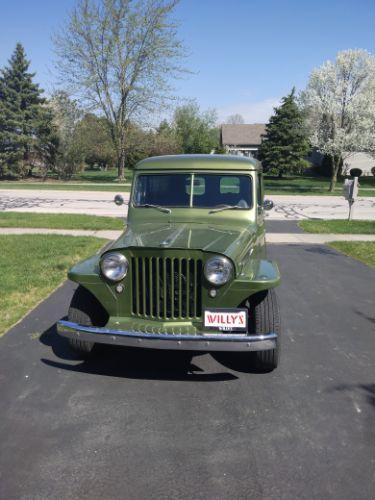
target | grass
[
  {"x": 363, "y": 251},
  {"x": 59, "y": 221},
  {"x": 312, "y": 186},
  {"x": 366, "y": 192},
  {"x": 91, "y": 178},
  {"x": 100, "y": 176},
  {"x": 338, "y": 226},
  {"x": 32, "y": 266},
  {"x": 63, "y": 186}
]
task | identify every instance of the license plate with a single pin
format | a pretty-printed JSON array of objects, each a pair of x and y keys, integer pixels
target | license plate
[{"x": 227, "y": 320}]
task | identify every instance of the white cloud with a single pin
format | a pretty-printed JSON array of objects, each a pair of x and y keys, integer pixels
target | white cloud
[{"x": 253, "y": 112}]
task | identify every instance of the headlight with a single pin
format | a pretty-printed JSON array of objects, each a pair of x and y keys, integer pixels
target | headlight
[
  {"x": 114, "y": 266},
  {"x": 218, "y": 270}
]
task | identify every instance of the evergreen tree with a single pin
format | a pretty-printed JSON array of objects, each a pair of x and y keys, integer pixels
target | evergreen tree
[
  {"x": 24, "y": 120},
  {"x": 285, "y": 145}
]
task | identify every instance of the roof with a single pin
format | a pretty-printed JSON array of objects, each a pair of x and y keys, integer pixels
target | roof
[
  {"x": 198, "y": 162},
  {"x": 241, "y": 135}
]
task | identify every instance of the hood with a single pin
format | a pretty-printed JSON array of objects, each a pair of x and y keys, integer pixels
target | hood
[{"x": 229, "y": 241}]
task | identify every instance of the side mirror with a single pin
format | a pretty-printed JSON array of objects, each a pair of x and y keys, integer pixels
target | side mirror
[
  {"x": 268, "y": 204},
  {"x": 119, "y": 200}
]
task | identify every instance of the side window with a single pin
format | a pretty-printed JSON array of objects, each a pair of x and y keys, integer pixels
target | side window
[
  {"x": 230, "y": 185},
  {"x": 199, "y": 186}
]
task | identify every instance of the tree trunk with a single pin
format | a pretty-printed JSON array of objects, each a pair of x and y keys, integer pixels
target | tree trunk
[
  {"x": 335, "y": 169},
  {"x": 121, "y": 166},
  {"x": 332, "y": 183}
]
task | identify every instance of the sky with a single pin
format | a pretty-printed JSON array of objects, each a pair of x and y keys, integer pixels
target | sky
[{"x": 244, "y": 54}]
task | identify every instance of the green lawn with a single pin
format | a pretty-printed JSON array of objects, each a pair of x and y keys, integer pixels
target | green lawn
[
  {"x": 313, "y": 185},
  {"x": 59, "y": 221},
  {"x": 32, "y": 266},
  {"x": 338, "y": 226},
  {"x": 100, "y": 176},
  {"x": 63, "y": 186},
  {"x": 360, "y": 250},
  {"x": 91, "y": 178}
]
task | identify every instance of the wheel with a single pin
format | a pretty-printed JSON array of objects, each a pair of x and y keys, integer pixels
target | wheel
[
  {"x": 85, "y": 310},
  {"x": 264, "y": 317}
]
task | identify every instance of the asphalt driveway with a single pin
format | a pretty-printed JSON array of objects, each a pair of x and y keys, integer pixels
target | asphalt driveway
[{"x": 138, "y": 425}]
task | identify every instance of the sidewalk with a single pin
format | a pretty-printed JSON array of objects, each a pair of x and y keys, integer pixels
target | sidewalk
[
  {"x": 315, "y": 239},
  {"x": 281, "y": 238},
  {"x": 108, "y": 235}
]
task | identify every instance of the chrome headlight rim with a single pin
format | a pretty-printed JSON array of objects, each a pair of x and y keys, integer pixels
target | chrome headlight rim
[
  {"x": 224, "y": 263},
  {"x": 111, "y": 273}
]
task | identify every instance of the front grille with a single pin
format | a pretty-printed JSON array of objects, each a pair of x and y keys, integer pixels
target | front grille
[{"x": 166, "y": 287}]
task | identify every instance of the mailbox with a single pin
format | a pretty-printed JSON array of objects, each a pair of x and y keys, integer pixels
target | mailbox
[
  {"x": 350, "y": 189},
  {"x": 350, "y": 192}
]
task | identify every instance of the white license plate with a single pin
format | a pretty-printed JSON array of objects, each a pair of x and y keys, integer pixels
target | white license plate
[{"x": 228, "y": 320}]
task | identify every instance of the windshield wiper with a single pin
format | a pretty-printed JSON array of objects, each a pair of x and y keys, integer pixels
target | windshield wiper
[
  {"x": 225, "y": 207},
  {"x": 158, "y": 207}
]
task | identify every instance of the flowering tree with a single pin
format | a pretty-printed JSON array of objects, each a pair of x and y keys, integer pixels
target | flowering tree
[{"x": 340, "y": 107}]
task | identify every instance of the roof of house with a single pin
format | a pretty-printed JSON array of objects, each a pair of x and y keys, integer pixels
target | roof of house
[
  {"x": 241, "y": 135},
  {"x": 198, "y": 162}
]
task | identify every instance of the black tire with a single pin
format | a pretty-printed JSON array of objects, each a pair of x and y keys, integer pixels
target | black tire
[
  {"x": 85, "y": 310},
  {"x": 265, "y": 318}
]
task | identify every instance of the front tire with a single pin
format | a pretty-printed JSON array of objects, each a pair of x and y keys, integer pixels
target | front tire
[
  {"x": 85, "y": 310},
  {"x": 265, "y": 318}
]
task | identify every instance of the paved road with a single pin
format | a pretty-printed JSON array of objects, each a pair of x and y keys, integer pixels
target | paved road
[
  {"x": 68, "y": 202},
  {"x": 139, "y": 424},
  {"x": 100, "y": 203}
]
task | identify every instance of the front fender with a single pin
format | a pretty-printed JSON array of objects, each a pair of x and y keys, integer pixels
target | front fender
[
  {"x": 261, "y": 272},
  {"x": 257, "y": 275},
  {"x": 87, "y": 274}
]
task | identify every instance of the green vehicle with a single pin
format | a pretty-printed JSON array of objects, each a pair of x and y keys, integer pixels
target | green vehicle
[{"x": 190, "y": 271}]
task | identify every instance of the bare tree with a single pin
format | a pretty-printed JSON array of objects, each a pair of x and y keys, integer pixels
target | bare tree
[
  {"x": 235, "y": 119},
  {"x": 120, "y": 56}
]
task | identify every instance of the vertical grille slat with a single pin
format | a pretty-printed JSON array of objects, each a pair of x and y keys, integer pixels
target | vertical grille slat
[
  {"x": 188, "y": 281},
  {"x": 150, "y": 287},
  {"x": 166, "y": 287},
  {"x": 143, "y": 263},
  {"x": 179, "y": 287},
  {"x": 195, "y": 289},
  {"x": 157, "y": 286}
]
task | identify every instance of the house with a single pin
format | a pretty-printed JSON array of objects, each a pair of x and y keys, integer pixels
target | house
[
  {"x": 242, "y": 140},
  {"x": 362, "y": 161}
]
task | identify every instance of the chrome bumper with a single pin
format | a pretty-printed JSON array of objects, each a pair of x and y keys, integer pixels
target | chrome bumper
[{"x": 203, "y": 342}]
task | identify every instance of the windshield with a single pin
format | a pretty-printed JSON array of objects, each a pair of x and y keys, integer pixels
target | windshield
[{"x": 193, "y": 190}]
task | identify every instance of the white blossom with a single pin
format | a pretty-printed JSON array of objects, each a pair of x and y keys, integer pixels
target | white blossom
[{"x": 340, "y": 105}]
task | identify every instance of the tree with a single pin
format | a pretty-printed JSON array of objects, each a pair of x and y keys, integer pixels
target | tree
[
  {"x": 92, "y": 134},
  {"x": 120, "y": 56},
  {"x": 195, "y": 130},
  {"x": 164, "y": 141},
  {"x": 70, "y": 156},
  {"x": 24, "y": 119},
  {"x": 285, "y": 144},
  {"x": 340, "y": 104},
  {"x": 235, "y": 119}
]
